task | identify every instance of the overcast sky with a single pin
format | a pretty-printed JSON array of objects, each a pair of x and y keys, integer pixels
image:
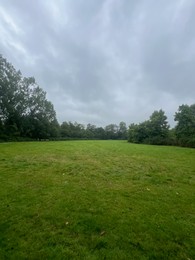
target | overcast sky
[{"x": 104, "y": 61}]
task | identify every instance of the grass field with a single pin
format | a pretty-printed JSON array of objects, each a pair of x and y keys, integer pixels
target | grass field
[{"x": 96, "y": 200}]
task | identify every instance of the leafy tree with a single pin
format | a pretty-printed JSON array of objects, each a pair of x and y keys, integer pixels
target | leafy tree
[
  {"x": 79, "y": 130},
  {"x": 24, "y": 109},
  {"x": 90, "y": 132},
  {"x": 100, "y": 133},
  {"x": 153, "y": 131},
  {"x": 158, "y": 128},
  {"x": 65, "y": 130},
  {"x": 138, "y": 133},
  {"x": 12, "y": 105},
  {"x": 185, "y": 128},
  {"x": 122, "y": 131},
  {"x": 132, "y": 133},
  {"x": 111, "y": 131},
  {"x": 72, "y": 130}
]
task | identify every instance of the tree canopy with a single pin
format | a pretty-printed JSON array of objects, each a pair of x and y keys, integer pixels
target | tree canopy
[
  {"x": 153, "y": 131},
  {"x": 185, "y": 128},
  {"x": 24, "y": 109}
]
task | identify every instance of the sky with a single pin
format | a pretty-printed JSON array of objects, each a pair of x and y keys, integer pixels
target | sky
[{"x": 104, "y": 61}]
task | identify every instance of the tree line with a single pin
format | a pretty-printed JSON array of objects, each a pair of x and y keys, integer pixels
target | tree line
[
  {"x": 25, "y": 113},
  {"x": 76, "y": 130},
  {"x": 157, "y": 131}
]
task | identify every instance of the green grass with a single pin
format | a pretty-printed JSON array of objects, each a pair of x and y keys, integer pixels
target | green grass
[{"x": 96, "y": 200}]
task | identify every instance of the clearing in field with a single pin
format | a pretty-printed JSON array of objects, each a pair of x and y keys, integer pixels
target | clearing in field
[{"x": 96, "y": 200}]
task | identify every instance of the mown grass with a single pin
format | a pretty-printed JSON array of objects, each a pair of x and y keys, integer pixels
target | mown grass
[{"x": 96, "y": 200}]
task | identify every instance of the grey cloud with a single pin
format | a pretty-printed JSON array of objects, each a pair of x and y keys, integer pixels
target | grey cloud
[
  {"x": 104, "y": 61},
  {"x": 164, "y": 46}
]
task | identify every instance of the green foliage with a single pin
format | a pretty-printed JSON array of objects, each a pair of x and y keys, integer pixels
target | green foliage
[
  {"x": 111, "y": 131},
  {"x": 158, "y": 127},
  {"x": 185, "y": 128},
  {"x": 153, "y": 131},
  {"x": 93, "y": 132},
  {"x": 24, "y": 109},
  {"x": 96, "y": 200},
  {"x": 70, "y": 130},
  {"x": 75, "y": 130},
  {"x": 122, "y": 131}
]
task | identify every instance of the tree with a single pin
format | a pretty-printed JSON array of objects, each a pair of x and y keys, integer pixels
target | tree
[
  {"x": 122, "y": 131},
  {"x": 158, "y": 127},
  {"x": 138, "y": 133},
  {"x": 153, "y": 131},
  {"x": 100, "y": 133},
  {"x": 90, "y": 132},
  {"x": 24, "y": 109},
  {"x": 70, "y": 130},
  {"x": 185, "y": 128},
  {"x": 12, "y": 97},
  {"x": 111, "y": 131},
  {"x": 79, "y": 130},
  {"x": 65, "y": 130}
]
